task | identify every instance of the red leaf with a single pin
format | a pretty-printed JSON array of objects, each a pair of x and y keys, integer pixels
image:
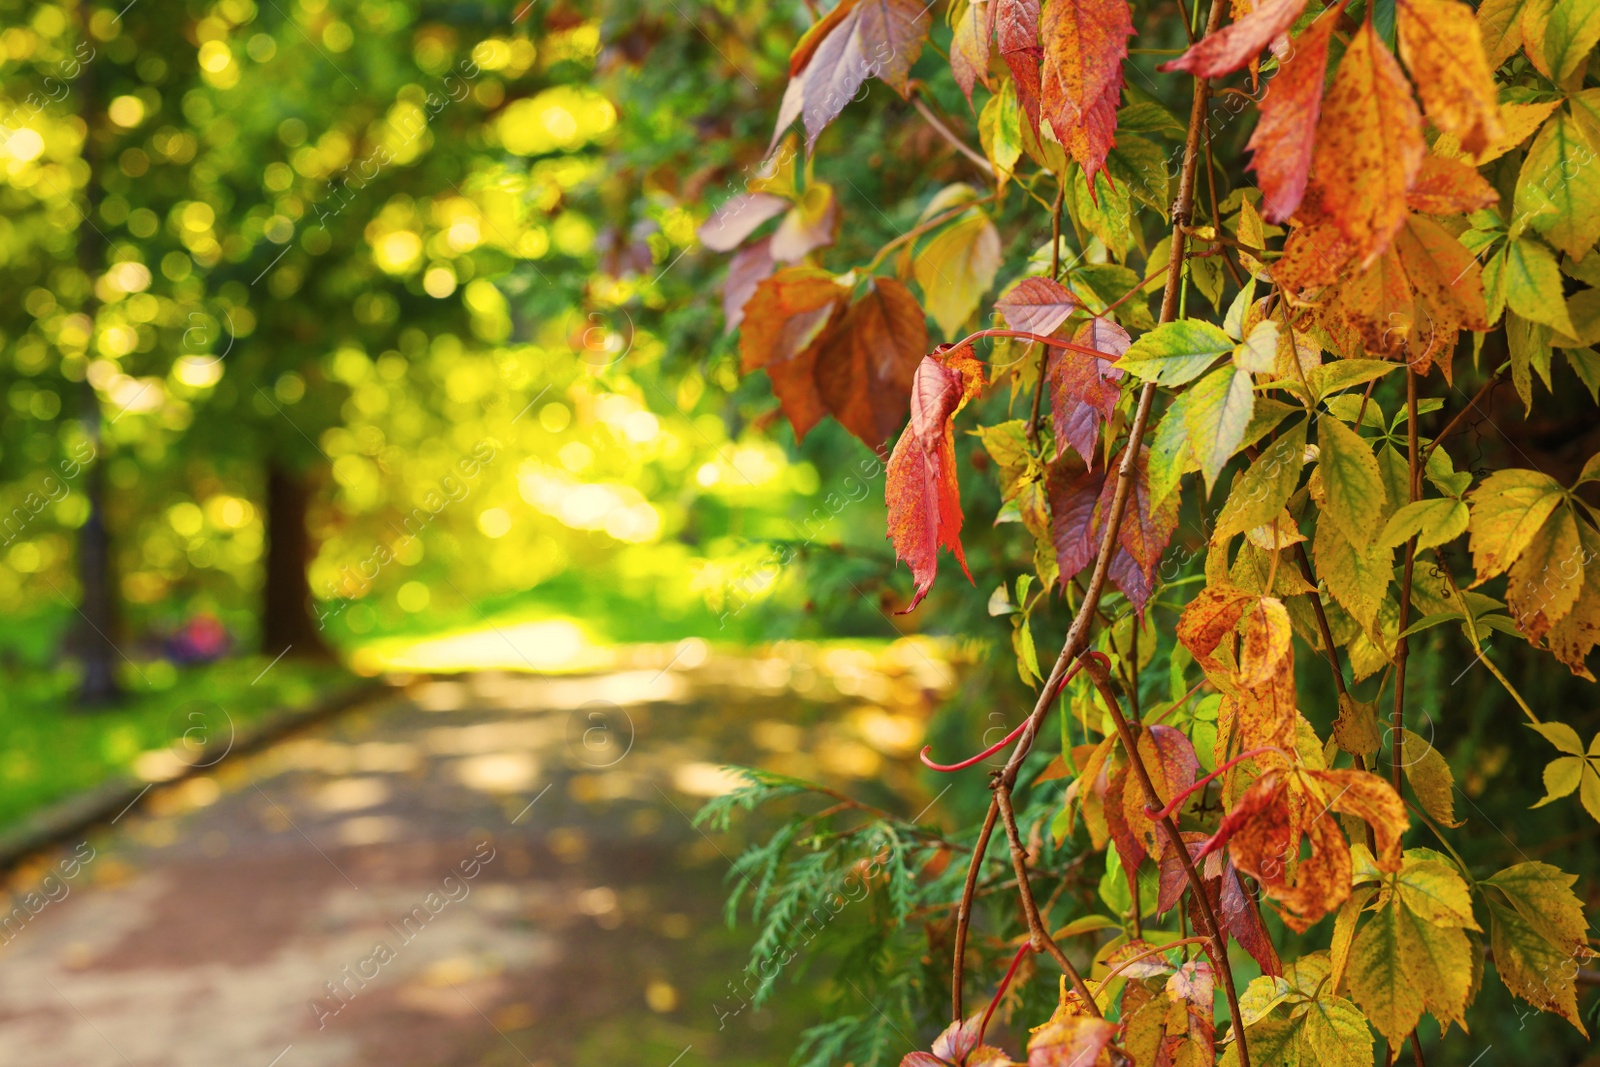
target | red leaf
[
  {"x": 746, "y": 270},
  {"x": 1243, "y": 921},
  {"x": 865, "y": 364},
  {"x": 1282, "y": 143},
  {"x": 1073, "y": 493},
  {"x": 783, "y": 323},
  {"x": 1017, "y": 27},
  {"x": 1233, "y": 47},
  {"x": 1037, "y": 305},
  {"x": 923, "y": 495},
  {"x": 1084, "y": 390},
  {"x": 1085, "y": 42},
  {"x": 1143, "y": 535},
  {"x": 1130, "y": 849},
  {"x": 737, "y": 218}
]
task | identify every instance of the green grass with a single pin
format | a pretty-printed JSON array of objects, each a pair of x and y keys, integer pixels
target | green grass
[{"x": 51, "y": 749}]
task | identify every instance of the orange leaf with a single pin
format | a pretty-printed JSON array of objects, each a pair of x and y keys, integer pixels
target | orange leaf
[
  {"x": 865, "y": 363},
  {"x": 748, "y": 268},
  {"x": 1085, "y": 42},
  {"x": 783, "y": 321},
  {"x": 1449, "y": 187},
  {"x": 923, "y": 495},
  {"x": 1233, "y": 47},
  {"x": 1369, "y": 146},
  {"x": 1207, "y": 619},
  {"x": 1282, "y": 143},
  {"x": 1439, "y": 41},
  {"x": 1374, "y": 801},
  {"x": 1070, "y": 1041}
]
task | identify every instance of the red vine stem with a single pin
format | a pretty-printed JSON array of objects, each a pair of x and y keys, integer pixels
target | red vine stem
[
  {"x": 1131, "y": 960},
  {"x": 1157, "y": 814},
  {"x": 983, "y": 1027},
  {"x": 1053, "y": 342},
  {"x": 997, "y": 746}
]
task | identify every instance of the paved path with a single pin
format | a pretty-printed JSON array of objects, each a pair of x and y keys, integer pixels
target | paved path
[{"x": 492, "y": 870}]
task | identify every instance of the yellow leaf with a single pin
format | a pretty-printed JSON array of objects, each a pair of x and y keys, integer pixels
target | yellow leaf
[
  {"x": 1440, "y": 43},
  {"x": 956, "y": 268},
  {"x": 1430, "y": 778},
  {"x": 1507, "y": 511},
  {"x": 1538, "y": 933}
]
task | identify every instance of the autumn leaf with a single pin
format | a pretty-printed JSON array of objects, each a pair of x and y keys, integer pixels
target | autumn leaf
[
  {"x": 1175, "y": 352},
  {"x": 1546, "y": 578},
  {"x": 1558, "y": 189},
  {"x": 1430, "y": 778},
  {"x": 866, "y": 360},
  {"x": 1037, "y": 305},
  {"x": 1281, "y": 147},
  {"x": 1234, "y": 46},
  {"x": 1080, "y": 501},
  {"x": 783, "y": 322},
  {"x": 1084, "y": 390},
  {"x": 1569, "y": 38},
  {"x": 969, "y": 46},
  {"x": 1439, "y": 41},
  {"x": 1350, "y": 480},
  {"x": 1369, "y": 145},
  {"x": 737, "y": 218},
  {"x": 1432, "y": 522},
  {"x": 1413, "y": 954},
  {"x": 1017, "y": 34},
  {"x": 856, "y": 40},
  {"x": 746, "y": 270},
  {"x": 923, "y": 495},
  {"x": 1576, "y": 771},
  {"x": 1298, "y": 1019},
  {"x": 1085, "y": 42},
  {"x": 1070, "y": 1041},
  {"x": 1508, "y": 509},
  {"x": 1168, "y": 755},
  {"x": 1261, "y": 491},
  {"x": 1538, "y": 934},
  {"x": 808, "y": 226},
  {"x": 956, "y": 268}
]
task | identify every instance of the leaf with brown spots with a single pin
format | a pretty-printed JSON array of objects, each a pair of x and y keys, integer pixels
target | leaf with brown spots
[
  {"x": 1085, "y": 42},
  {"x": 1439, "y": 41},
  {"x": 1369, "y": 146}
]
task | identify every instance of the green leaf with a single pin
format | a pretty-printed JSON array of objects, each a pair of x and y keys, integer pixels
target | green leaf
[
  {"x": 1343, "y": 373},
  {"x": 1570, "y": 35},
  {"x": 1558, "y": 190},
  {"x": 1358, "y": 580},
  {"x": 1533, "y": 285},
  {"x": 1175, "y": 352},
  {"x": 1170, "y": 455},
  {"x": 1216, "y": 416},
  {"x": 1350, "y": 482},
  {"x": 1258, "y": 494},
  {"x": 1431, "y": 522}
]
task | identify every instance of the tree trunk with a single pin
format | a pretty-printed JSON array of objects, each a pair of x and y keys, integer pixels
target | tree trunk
[
  {"x": 287, "y": 622},
  {"x": 97, "y": 614}
]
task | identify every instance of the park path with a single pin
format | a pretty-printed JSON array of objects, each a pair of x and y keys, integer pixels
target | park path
[{"x": 493, "y": 869}]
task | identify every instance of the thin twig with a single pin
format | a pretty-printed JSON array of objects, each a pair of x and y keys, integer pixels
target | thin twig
[
  {"x": 964, "y": 913},
  {"x": 1450, "y": 427},
  {"x": 1402, "y": 644},
  {"x": 949, "y": 135}
]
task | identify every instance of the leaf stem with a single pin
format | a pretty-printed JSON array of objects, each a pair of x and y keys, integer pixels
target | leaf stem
[
  {"x": 964, "y": 912},
  {"x": 949, "y": 135},
  {"x": 1450, "y": 427}
]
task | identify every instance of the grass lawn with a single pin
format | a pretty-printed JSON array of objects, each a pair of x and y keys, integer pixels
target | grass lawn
[{"x": 49, "y": 749}]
